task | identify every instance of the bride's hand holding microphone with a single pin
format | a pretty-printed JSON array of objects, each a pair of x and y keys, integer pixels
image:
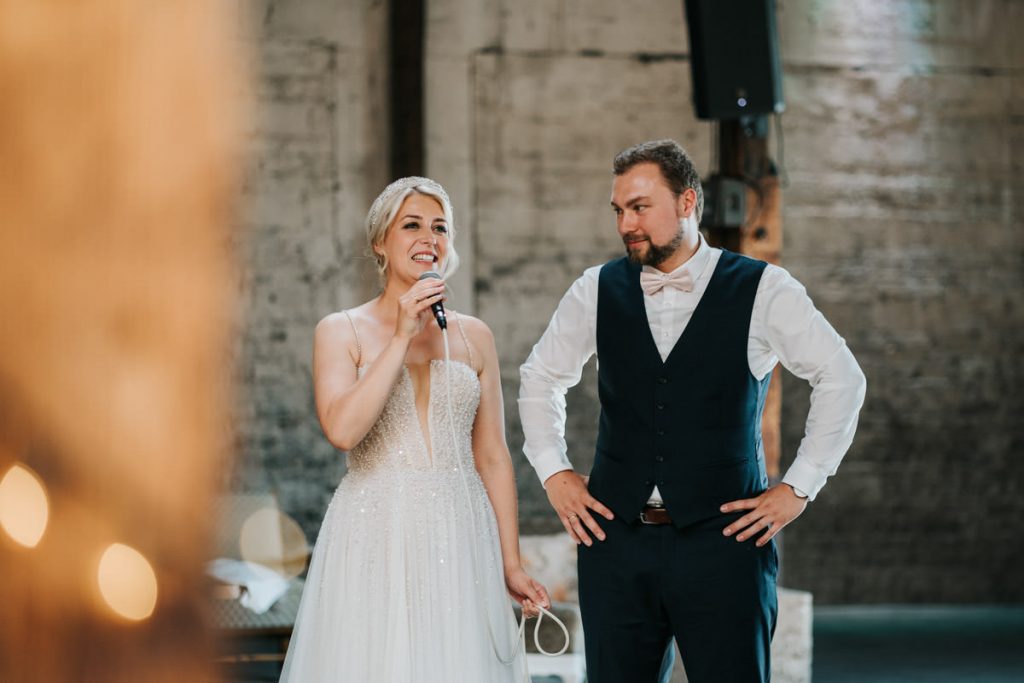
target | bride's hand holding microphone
[{"x": 414, "y": 306}]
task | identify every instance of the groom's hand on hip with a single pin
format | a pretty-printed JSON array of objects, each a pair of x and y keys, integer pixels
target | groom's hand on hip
[
  {"x": 769, "y": 512},
  {"x": 568, "y": 494}
]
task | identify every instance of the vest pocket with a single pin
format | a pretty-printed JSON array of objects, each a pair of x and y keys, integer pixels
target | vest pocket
[{"x": 725, "y": 463}]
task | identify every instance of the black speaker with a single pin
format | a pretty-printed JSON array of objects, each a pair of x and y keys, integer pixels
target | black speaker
[{"x": 734, "y": 57}]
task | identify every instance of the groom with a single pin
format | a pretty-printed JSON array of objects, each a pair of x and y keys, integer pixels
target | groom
[{"x": 676, "y": 520}]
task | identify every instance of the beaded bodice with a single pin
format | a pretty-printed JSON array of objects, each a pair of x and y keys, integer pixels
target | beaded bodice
[{"x": 396, "y": 442}]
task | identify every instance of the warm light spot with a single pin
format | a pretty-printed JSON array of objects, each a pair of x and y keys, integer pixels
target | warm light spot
[
  {"x": 273, "y": 539},
  {"x": 127, "y": 582},
  {"x": 24, "y": 509}
]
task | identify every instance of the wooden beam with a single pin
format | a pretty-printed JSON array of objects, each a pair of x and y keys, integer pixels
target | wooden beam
[
  {"x": 407, "y": 35},
  {"x": 744, "y": 156}
]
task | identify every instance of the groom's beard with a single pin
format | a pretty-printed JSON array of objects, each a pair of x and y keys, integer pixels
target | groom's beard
[{"x": 655, "y": 254}]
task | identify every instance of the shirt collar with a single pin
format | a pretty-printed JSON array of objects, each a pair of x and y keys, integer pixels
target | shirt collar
[{"x": 695, "y": 265}]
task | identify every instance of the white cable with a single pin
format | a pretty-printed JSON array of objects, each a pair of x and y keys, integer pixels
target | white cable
[{"x": 521, "y": 636}]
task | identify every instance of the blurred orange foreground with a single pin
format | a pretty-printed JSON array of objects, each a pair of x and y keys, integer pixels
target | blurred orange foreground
[{"x": 119, "y": 141}]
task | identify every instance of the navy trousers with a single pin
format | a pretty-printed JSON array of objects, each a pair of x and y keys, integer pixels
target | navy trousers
[{"x": 645, "y": 584}]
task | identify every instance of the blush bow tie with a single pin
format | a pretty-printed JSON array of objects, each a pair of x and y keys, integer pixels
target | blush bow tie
[{"x": 652, "y": 283}]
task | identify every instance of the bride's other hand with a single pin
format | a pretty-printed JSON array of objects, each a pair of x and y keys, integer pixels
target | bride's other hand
[
  {"x": 413, "y": 304},
  {"x": 526, "y": 591}
]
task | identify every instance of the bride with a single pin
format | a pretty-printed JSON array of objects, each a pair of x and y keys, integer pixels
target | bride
[{"x": 419, "y": 547}]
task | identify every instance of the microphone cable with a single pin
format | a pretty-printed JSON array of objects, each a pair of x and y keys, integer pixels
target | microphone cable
[{"x": 521, "y": 636}]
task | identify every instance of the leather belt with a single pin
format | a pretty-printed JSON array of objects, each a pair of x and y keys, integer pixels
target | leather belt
[{"x": 654, "y": 515}]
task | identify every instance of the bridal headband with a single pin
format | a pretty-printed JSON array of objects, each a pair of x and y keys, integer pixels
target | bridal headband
[{"x": 398, "y": 188}]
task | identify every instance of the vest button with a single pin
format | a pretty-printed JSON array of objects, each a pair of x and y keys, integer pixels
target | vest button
[
  {"x": 663, "y": 380},
  {"x": 661, "y": 432},
  {"x": 660, "y": 458},
  {"x": 660, "y": 406}
]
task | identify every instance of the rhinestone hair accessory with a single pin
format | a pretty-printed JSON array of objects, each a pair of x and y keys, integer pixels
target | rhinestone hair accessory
[{"x": 398, "y": 187}]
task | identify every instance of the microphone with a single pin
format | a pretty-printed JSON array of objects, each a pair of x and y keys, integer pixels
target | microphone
[{"x": 437, "y": 307}]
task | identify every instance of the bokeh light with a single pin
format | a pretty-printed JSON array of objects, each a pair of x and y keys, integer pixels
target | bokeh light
[
  {"x": 127, "y": 582},
  {"x": 24, "y": 508}
]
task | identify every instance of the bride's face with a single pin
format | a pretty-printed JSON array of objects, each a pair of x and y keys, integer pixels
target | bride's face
[{"x": 417, "y": 240}]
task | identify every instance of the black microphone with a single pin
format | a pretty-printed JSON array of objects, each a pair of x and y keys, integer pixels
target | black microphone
[{"x": 436, "y": 307}]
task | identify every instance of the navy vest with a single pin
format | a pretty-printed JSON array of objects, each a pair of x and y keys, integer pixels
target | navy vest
[{"x": 692, "y": 424}]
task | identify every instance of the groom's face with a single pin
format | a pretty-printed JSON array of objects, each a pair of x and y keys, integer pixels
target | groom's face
[{"x": 647, "y": 214}]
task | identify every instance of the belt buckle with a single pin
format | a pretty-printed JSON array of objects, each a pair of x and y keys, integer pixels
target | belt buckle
[{"x": 643, "y": 513}]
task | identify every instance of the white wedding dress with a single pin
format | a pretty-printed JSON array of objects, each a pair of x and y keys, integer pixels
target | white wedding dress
[{"x": 406, "y": 584}]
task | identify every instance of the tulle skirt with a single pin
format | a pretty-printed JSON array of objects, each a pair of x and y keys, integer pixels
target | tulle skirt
[{"x": 405, "y": 585}]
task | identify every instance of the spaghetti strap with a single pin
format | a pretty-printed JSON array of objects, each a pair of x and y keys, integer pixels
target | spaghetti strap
[
  {"x": 465, "y": 339},
  {"x": 359, "y": 346}
]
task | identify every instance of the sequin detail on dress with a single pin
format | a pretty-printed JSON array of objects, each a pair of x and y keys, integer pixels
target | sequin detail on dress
[{"x": 392, "y": 593}]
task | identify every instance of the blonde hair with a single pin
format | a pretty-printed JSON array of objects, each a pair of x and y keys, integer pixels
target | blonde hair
[{"x": 386, "y": 206}]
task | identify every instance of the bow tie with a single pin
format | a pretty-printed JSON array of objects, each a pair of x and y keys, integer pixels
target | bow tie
[{"x": 652, "y": 283}]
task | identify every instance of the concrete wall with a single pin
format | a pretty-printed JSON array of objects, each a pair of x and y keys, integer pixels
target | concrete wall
[
  {"x": 319, "y": 157},
  {"x": 903, "y": 140}
]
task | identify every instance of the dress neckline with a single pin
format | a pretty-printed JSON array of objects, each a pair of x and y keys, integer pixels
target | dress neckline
[{"x": 426, "y": 427}]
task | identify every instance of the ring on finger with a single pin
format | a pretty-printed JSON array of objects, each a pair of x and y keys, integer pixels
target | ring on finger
[{"x": 573, "y": 517}]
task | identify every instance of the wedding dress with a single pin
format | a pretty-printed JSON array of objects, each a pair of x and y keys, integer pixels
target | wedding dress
[{"x": 406, "y": 584}]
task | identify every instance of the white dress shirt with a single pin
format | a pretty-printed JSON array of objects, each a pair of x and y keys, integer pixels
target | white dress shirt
[{"x": 784, "y": 327}]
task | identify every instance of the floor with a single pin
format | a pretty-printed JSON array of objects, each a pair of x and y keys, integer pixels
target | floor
[
  {"x": 938, "y": 644},
  {"x": 886, "y": 644}
]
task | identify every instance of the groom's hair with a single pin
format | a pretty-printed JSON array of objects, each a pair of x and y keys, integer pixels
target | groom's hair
[{"x": 676, "y": 166}]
